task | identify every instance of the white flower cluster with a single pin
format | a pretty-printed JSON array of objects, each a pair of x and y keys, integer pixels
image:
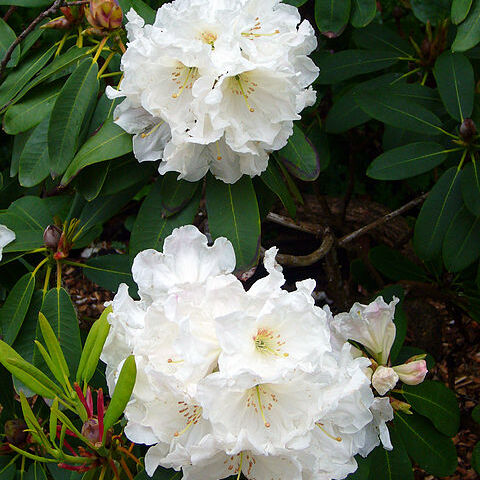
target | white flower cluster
[
  {"x": 215, "y": 85},
  {"x": 260, "y": 382},
  {"x": 6, "y": 237}
]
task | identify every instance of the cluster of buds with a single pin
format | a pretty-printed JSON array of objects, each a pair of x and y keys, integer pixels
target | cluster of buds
[
  {"x": 433, "y": 45},
  {"x": 104, "y": 16},
  {"x": 61, "y": 240},
  {"x": 72, "y": 16}
]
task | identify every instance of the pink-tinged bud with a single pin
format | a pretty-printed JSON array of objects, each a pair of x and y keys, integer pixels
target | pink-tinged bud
[
  {"x": 400, "y": 406},
  {"x": 73, "y": 14},
  {"x": 384, "y": 379},
  {"x": 58, "y": 24},
  {"x": 104, "y": 14},
  {"x": 412, "y": 373}
]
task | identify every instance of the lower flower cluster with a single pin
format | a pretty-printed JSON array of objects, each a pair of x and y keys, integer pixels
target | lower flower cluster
[{"x": 260, "y": 382}]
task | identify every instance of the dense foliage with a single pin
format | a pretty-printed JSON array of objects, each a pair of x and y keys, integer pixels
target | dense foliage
[{"x": 394, "y": 125}]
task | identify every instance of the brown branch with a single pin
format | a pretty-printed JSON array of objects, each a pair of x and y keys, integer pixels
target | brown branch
[
  {"x": 287, "y": 222},
  {"x": 358, "y": 233},
  {"x": 9, "y": 13},
  {"x": 8, "y": 55}
]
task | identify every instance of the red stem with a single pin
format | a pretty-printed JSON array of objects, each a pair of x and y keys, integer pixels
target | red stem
[{"x": 100, "y": 413}]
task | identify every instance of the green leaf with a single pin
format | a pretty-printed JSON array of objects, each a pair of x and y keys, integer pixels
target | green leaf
[
  {"x": 17, "y": 79},
  {"x": 391, "y": 465},
  {"x": 476, "y": 414},
  {"x": 35, "y": 472},
  {"x": 273, "y": 179},
  {"x": 407, "y": 161},
  {"x": 433, "y": 451},
  {"x": 299, "y": 156},
  {"x": 60, "y": 313},
  {"x": 363, "y": 12},
  {"x": 34, "y": 165},
  {"x": 468, "y": 32},
  {"x": 23, "y": 116},
  {"x": 436, "y": 402},
  {"x": 336, "y": 67},
  {"x": 13, "y": 311},
  {"x": 144, "y": 10},
  {"x": 456, "y": 84},
  {"x": 460, "y": 246},
  {"x": 19, "y": 142},
  {"x": 394, "y": 265},
  {"x": 160, "y": 474},
  {"x": 476, "y": 458},
  {"x": 26, "y": 3},
  {"x": 233, "y": 213},
  {"x": 295, "y": 3},
  {"x": 150, "y": 229},
  {"x": 7, "y": 37},
  {"x": 69, "y": 113},
  {"x": 89, "y": 182},
  {"x": 332, "y": 16},
  {"x": 109, "y": 271},
  {"x": 109, "y": 142},
  {"x": 432, "y": 11},
  {"x": 399, "y": 112},
  {"x": 378, "y": 36},
  {"x": 437, "y": 212},
  {"x": 471, "y": 188},
  {"x": 363, "y": 470},
  {"x": 460, "y": 9},
  {"x": 121, "y": 395},
  {"x": 175, "y": 194}
]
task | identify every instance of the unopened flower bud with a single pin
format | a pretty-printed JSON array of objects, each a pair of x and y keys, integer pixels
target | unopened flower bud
[
  {"x": 91, "y": 431},
  {"x": 58, "y": 24},
  {"x": 468, "y": 129},
  {"x": 400, "y": 406},
  {"x": 412, "y": 373},
  {"x": 384, "y": 379},
  {"x": 104, "y": 14},
  {"x": 51, "y": 237},
  {"x": 15, "y": 432},
  {"x": 73, "y": 14}
]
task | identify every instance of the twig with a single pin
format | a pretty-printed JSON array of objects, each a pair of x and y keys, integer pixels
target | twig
[
  {"x": 9, "y": 13},
  {"x": 56, "y": 5},
  {"x": 287, "y": 222},
  {"x": 358, "y": 233},
  {"x": 79, "y": 2}
]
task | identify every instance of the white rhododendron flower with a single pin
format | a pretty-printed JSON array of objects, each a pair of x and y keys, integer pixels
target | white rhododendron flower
[
  {"x": 384, "y": 379},
  {"x": 215, "y": 85},
  {"x": 232, "y": 381},
  {"x": 6, "y": 237}
]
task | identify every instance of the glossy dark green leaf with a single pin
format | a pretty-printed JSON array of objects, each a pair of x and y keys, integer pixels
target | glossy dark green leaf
[
  {"x": 460, "y": 246},
  {"x": 391, "y": 465},
  {"x": 296, "y": 3},
  {"x": 109, "y": 271},
  {"x": 160, "y": 474},
  {"x": 476, "y": 414},
  {"x": 36, "y": 472},
  {"x": 363, "y": 470},
  {"x": 471, "y": 187},
  {"x": 456, "y": 84},
  {"x": 150, "y": 229},
  {"x": 437, "y": 212},
  {"x": 476, "y": 458},
  {"x": 69, "y": 113},
  {"x": 436, "y": 402},
  {"x": 363, "y": 12},
  {"x": 273, "y": 179},
  {"x": 7, "y": 37},
  {"x": 336, "y": 67},
  {"x": 378, "y": 36},
  {"x": 13, "y": 311},
  {"x": 175, "y": 194},
  {"x": 60, "y": 313},
  {"x": 109, "y": 142},
  {"x": 432, "y": 11},
  {"x": 468, "y": 32},
  {"x": 407, "y": 161},
  {"x": 89, "y": 182},
  {"x": 299, "y": 156},
  {"x": 433, "y": 451},
  {"x": 144, "y": 10},
  {"x": 19, "y": 142},
  {"x": 29, "y": 113},
  {"x": 34, "y": 164},
  {"x": 233, "y": 213},
  {"x": 394, "y": 265},
  {"x": 399, "y": 112},
  {"x": 332, "y": 16},
  {"x": 460, "y": 9},
  {"x": 18, "y": 78}
]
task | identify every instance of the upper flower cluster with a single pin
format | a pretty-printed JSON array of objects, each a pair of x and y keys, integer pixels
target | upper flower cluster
[
  {"x": 230, "y": 381},
  {"x": 215, "y": 84}
]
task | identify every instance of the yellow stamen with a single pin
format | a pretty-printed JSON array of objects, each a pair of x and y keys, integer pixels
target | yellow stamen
[
  {"x": 153, "y": 130},
  {"x": 240, "y": 466},
  {"x": 261, "y": 407},
  {"x": 320, "y": 426},
  {"x": 256, "y": 35},
  {"x": 219, "y": 156},
  {"x": 182, "y": 88},
  {"x": 170, "y": 360},
  {"x": 189, "y": 425},
  {"x": 245, "y": 96}
]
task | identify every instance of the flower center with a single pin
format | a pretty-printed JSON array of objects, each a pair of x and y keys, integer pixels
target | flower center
[
  {"x": 253, "y": 32},
  {"x": 242, "y": 85},
  {"x": 267, "y": 342},
  {"x": 192, "y": 414},
  {"x": 241, "y": 461},
  {"x": 184, "y": 77},
  {"x": 260, "y": 399},
  {"x": 209, "y": 38}
]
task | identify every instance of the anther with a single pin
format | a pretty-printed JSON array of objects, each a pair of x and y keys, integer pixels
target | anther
[{"x": 320, "y": 426}]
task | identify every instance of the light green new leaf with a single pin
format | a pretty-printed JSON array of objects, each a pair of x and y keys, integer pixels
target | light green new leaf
[
  {"x": 363, "y": 12},
  {"x": 433, "y": 451},
  {"x": 456, "y": 84},
  {"x": 471, "y": 187},
  {"x": 460, "y": 9},
  {"x": 109, "y": 142},
  {"x": 7, "y": 37},
  {"x": 407, "y": 161},
  {"x": 69, "y": 113},
  {"x": 332, "y": 16},
  {"x": 233, "y": 213},
  {"x": 436, "y": 402},
  {"x": 468, "y": 32},
  {"x": 437, "y": 212}
]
